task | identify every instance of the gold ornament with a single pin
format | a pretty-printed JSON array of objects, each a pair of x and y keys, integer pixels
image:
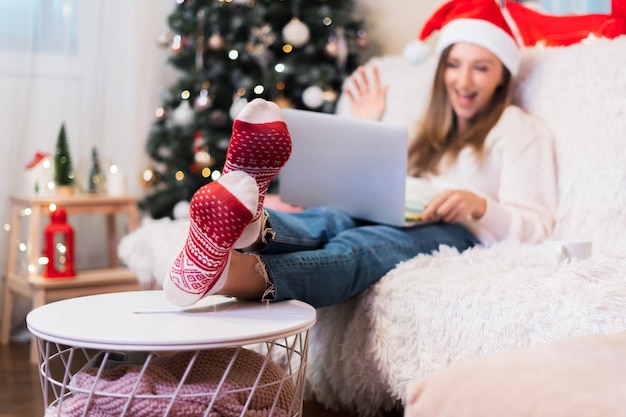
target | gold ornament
[{"x": 149, "y": 178}]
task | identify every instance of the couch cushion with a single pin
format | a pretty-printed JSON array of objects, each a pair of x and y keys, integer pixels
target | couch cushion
[
  {"x": 580, "y": 92},
  {"x": 577, "y": 377}
]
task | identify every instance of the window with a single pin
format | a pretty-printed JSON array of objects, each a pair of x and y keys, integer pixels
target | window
[
  {"x": 561, "y": 7},
  {"x": 48, "y": 26}
]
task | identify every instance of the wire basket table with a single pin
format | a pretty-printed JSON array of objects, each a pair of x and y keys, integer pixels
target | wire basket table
[{"x": 135, "y": 354}]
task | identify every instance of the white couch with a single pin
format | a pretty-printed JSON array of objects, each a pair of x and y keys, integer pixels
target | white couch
[{"x": 434, "y": 311}]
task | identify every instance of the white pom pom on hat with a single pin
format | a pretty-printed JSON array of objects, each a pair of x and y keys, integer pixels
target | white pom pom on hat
[
  {"x": 479, "y": 22},
  {"x": 416, "y": 52}
]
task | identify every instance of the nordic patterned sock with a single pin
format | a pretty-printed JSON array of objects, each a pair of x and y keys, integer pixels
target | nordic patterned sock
[
  {"x": 219, "y": 212},
  {"x": 260, "y": 145}
]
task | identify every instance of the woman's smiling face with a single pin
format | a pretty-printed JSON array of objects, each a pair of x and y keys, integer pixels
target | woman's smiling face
[{"x": 471, "y": 77}]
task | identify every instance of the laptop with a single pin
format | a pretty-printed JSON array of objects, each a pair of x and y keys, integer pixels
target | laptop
[{"x": 358, "y": 166}]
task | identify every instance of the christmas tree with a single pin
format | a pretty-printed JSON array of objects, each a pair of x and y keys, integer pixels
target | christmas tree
[
  {"x": 63, "y": 171},
  {"x": 228, "y": 52}
]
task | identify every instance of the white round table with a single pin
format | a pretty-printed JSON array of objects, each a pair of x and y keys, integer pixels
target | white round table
[{"x": 100, "y": 352}]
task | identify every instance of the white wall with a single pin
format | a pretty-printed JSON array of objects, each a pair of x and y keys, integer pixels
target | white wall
[{"x": 393, "y": 23}]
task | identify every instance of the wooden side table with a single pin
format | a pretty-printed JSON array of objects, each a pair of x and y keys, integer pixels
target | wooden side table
[{"x": 40, "y": 290}]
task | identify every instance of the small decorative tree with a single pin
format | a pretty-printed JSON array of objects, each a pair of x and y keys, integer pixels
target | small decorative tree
[
  {"x": 63, "y": 171},
  {"x": 96, "y": 179}
]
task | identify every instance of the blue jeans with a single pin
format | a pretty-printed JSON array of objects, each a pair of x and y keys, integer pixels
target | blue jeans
[{"x": 322, "y": 256}]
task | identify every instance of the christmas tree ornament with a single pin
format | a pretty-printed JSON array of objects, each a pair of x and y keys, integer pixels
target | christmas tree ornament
[
  {"x": 313, "y": 97},
  {"x": 183, "y": 115},
  {"x": 203, "y": 159},
  {"x": 63, "y": 170},
  {"x": 296, "y": 32},
  {"x": 164, "y": 152},
  {"x": 95, "y": 182},
  {"x": 261, "y": 37},
  {"x": 178, "y": 45},
  {"x": 203, "y": 101},
  {"x": 198, "y": 141},
  {"x": 332, "y": 47},
  {"x": 218, "y": 118},
  {"x": 159, "y": 114},
  {"x": 58, "y": 246},
  {"x": 164, "y": 39},
  {"x": 160, "y": 168},
  {"x": 149, "y": 178},
  {"x": 215, "y": 42},
  {"x": 362, "y": 40},
  {"x": 201, "y": 155}
]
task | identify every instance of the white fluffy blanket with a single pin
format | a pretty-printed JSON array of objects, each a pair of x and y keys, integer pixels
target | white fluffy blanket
[
  {"x": 151, "y": 250},
  {"x": 435, "y": 310}
]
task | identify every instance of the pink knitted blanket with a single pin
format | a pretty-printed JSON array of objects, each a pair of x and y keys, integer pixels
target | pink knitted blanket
[{"x": 161, "y": 378}]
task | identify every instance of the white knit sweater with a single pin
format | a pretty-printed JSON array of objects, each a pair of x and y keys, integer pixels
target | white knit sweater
[{"x": 517, "y": 178}]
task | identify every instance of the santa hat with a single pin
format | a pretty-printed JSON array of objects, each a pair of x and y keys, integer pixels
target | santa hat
[
  {"x": 39, "y": 156},
  {"x": 618, "y": 8},
  {"x": 549, "y": 30},
  {"x": 479, "y": 22}
]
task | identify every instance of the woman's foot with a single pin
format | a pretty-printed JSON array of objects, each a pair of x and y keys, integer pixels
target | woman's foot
[
  {"x": 219, "y": 212},
  {"x": 260, "y": 146}
]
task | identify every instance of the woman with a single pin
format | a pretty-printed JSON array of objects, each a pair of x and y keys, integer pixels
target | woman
[{"x": 493, "y": 162}]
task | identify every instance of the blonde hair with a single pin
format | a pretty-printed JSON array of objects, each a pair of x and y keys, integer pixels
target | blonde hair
[{"x": 437, "y": 135}]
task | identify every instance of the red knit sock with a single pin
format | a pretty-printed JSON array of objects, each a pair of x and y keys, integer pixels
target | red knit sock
[
  {"x": 219, "y": 212},
  {"x": 260, "y": 145}
]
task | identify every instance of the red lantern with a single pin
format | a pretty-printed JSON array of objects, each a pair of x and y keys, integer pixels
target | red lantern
[{"x": 59, "y": 246}]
